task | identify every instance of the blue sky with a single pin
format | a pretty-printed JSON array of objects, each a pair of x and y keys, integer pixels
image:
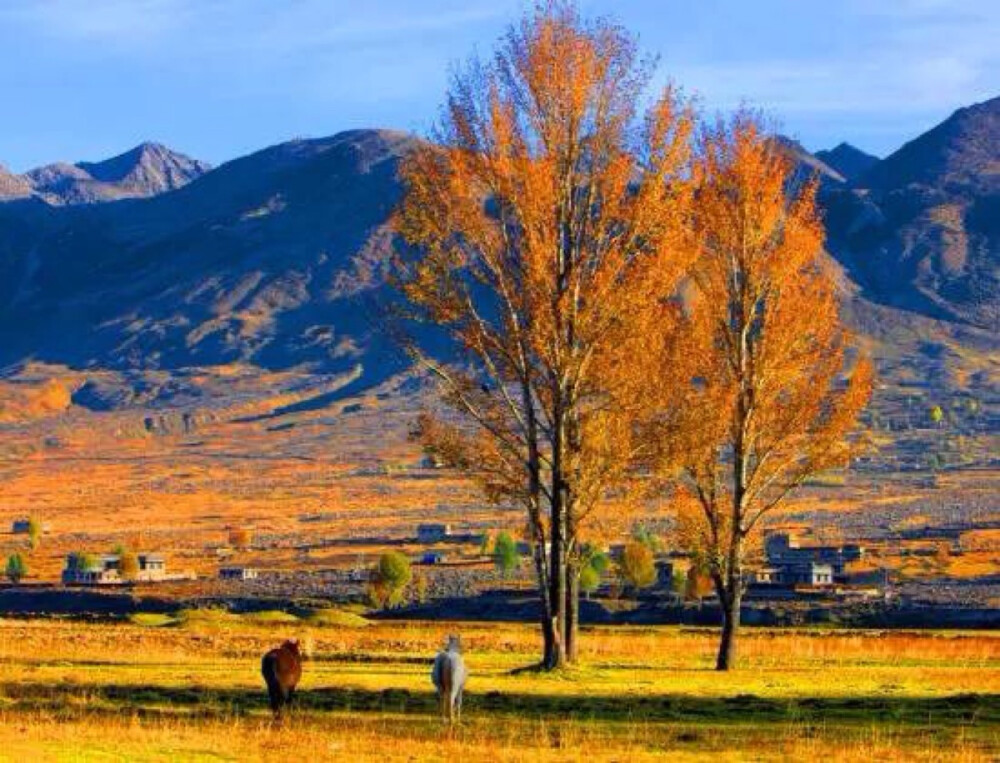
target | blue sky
[{"x": 86, "y": 79}]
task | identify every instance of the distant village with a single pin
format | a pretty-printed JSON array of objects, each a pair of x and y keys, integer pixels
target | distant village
[{"x": 789, "y": 568}]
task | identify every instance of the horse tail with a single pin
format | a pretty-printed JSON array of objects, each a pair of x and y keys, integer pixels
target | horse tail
[
  {"x": 275, "y": 691},
  {"x": 444, "y": 680}
]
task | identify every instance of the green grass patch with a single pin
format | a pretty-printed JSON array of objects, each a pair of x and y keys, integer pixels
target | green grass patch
[
  {"x": 336, "y": 618},
  {"x": 152, "y": 619},
  {"x": 269, "y": 617},
  {"x": 206, "y": 616}
]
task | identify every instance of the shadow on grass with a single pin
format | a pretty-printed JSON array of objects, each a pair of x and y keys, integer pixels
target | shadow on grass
[{"x": 67, "y": 698}]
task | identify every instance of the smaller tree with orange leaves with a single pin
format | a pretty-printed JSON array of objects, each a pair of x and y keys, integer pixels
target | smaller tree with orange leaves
[{"x": 763, "y": 395}]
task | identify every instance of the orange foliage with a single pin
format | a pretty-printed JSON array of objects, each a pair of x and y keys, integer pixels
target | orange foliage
[
  {"x": 240, "y": 537},
  {"x": 760, "y": 405},
  {"x": 549, "y": 234}
]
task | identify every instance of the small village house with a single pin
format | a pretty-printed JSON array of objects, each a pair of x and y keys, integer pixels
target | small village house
[
  {"x": 791, "y": 574},
  {"x": 791, "y": 564},
  {"x": 783, "y": 549},
  {"x": 23, "y": 527},
  {"x": 152, "y": 568},
  {"x": 105, "y": 569},
  {"x": 431, "y": 462},
  {"x": 433, "y": 532},
  {"x": 102, "y": 569}
]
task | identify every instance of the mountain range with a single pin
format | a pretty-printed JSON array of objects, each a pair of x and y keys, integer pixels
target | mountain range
[
  {"x": 147, "y": 170},
  {"x": 153, "y": 260},
  {"x": 920, "y": 229}
]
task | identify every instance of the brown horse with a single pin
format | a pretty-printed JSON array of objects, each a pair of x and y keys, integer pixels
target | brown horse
[{"x": 282, "y": 669}]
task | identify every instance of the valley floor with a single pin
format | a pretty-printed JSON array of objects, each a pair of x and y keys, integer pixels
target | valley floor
[{"x": 149, "y": 690}]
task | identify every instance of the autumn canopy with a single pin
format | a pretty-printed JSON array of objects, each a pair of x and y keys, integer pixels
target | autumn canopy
[{"x": 624, "y": 290}]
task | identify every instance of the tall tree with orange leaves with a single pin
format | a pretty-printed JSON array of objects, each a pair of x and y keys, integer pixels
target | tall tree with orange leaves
[
  {"x": 764, "y": 393},
  {"x": 548, "y": 216}
]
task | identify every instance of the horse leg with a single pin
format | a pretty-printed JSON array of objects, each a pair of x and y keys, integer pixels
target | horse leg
[
  {"x": 443, "y": 706},
  {"x": 274, "y": 698},
  {"x": 458, "y": 705}
]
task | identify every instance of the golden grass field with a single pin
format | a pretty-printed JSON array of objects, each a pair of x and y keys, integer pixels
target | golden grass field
[{"x": 188, "y": 688}]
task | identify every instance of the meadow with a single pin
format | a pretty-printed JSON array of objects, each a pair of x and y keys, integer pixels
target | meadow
[
  {"x": 322, "y": 488},
  {"x": 188, "y": 687}
]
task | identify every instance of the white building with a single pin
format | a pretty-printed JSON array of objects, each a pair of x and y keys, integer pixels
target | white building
[{"x": 105, "y": 569}]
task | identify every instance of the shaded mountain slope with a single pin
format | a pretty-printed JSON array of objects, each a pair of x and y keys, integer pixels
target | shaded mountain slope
[
  {"x": 850, "y": 162},
  {"x": 808, "y": 165},
  {"x": 921, "y": 228},
  {"x": 262, "y": 260},
  {"x": 960, "y": 155},
  {"x": 271, "y": 259}
]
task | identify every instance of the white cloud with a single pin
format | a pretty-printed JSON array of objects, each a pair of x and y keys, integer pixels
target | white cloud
[
  {"x": 920, "y": 61},
  {"x": 260, "y": 24},
  {"x": 100, "y": 21}
]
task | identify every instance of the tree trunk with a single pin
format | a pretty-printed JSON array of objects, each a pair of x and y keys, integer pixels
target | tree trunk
[
  {"x": 556, "y": 654},
  {"x": 548, "y": 640},
  {"x": 572, "y": 614},
  {"x": 544, "y": 595},
  {"x": 730, "y": 604},
  {"x": 554, "y": 647},
  {"x": 730, "y": 589},
  {"x": 558, "y": 556},
  {"x": 553, "y": 601}
]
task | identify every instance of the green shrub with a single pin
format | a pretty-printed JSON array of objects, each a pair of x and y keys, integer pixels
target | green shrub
[
  {"x": 34, "y": 532},
  {"x": 505, "y": 555},
  {"x": 81, "y": 561},
  {"x": 679, "y": 582},
  {"x": 637, "y": 568},
  {"x": 590, "y": 579},
  {"x": 644, "y": 535},
  {"x": 389, "y": 579},
  {"x": 17, "y": 568},
  {"x": 600, "y": 561},
  {"x": 593, "y": 565}
]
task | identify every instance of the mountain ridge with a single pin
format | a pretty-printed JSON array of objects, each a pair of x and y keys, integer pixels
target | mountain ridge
[
  {"x": 851, "y": 162},
  {"x": 260, "y": 260},
  {"x": 920, "y": 229},
  {"x": 962, "y": 152},
  {"x": 270, "y": 258},
  {"x": 146, "y": 170}
]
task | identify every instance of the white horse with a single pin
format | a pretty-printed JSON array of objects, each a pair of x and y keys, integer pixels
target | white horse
[{"x": 449, "y": 676}]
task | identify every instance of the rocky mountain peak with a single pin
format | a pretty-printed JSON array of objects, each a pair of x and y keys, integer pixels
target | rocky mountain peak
[
  {"x": 147, "y": 170},
  {"x": 848, "y": 160}
]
